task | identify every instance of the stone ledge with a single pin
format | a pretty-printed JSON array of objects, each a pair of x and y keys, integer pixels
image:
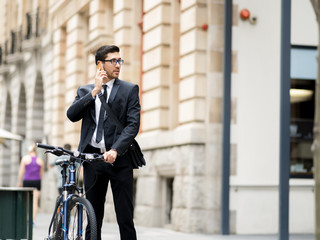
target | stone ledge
[{"x": 193, "y": 133}]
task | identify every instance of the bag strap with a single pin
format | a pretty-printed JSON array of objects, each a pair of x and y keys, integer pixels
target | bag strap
[{"x": 110, "y": 112}]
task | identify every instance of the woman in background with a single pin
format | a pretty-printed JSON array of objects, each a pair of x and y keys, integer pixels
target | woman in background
[{"x": 31, "y": 170}]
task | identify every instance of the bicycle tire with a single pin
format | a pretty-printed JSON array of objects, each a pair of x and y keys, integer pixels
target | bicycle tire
[
  {"x": 56, "y": 227},
  {"x": 89, "y": 222}
]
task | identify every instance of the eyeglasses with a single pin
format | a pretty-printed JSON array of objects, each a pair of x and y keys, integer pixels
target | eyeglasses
[{"x": 114, "y": 61}]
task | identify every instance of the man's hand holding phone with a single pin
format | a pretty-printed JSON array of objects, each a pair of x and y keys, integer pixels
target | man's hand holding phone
[{"x": 100, "y": 76}]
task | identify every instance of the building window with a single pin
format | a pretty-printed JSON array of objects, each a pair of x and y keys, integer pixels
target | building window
[
  {"x": 302, "y": 99},
  {"x": 169, "y": 200}
]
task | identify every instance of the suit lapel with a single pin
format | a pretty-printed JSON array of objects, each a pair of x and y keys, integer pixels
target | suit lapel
[
  {"x": 114, "y": 91},
  {"x": 113, "y": 94}
]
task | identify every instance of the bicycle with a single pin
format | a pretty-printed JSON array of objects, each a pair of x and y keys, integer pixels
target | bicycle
[{"x": 73, "y": 216}]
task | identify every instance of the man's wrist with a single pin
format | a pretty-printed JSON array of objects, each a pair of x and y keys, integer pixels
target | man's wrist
[{"x": 94, "y": 92}]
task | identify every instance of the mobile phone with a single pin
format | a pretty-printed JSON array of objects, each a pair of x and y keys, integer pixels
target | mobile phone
[{"x": 99, "y": 66}]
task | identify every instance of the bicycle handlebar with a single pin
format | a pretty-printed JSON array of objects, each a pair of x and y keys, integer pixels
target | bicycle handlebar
[
  {"x": 59, "y": 151},
  {"x": 45, "y": 146}
]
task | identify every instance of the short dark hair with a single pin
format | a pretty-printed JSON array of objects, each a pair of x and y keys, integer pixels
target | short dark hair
[{"x": 103, "y": 51}]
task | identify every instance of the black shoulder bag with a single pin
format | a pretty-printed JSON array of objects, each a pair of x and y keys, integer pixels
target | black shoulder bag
[{"x": 134, "y": 149}]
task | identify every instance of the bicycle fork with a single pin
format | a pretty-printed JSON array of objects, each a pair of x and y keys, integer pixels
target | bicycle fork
[
  {"x": 65, "y": 218},
  {"x": 66, "y": 221}
]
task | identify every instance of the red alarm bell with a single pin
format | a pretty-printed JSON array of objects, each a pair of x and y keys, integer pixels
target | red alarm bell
[
  {"x": 205, "y": 26},
  {"x": 244, "y": 14}
]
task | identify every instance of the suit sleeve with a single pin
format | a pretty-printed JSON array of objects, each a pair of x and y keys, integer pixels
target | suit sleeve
[{"x": 77, "y": 109}]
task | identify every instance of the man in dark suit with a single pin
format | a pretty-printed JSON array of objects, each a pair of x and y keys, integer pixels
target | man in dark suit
[{"x": 104, "y": 137}]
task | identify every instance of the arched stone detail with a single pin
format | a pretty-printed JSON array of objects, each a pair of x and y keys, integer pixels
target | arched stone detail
[{"x": 37, "y": 116}]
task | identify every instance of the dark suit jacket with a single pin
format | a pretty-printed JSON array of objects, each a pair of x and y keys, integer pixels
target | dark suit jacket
[{"x": 124, "y": 102}]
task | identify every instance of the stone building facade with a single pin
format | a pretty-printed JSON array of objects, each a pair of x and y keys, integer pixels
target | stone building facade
[
  {"x": 173, "y": 49},
  {"x": 166, "y": 52}
]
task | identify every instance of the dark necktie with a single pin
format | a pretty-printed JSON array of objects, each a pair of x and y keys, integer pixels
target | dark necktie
[{"x": 101, "y": 117}]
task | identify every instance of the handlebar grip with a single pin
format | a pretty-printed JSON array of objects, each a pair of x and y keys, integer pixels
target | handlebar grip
[{"x": 45, "y": 146}]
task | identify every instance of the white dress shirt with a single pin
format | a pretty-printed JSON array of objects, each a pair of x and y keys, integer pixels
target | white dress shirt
[{"x": 93, "y": 142}]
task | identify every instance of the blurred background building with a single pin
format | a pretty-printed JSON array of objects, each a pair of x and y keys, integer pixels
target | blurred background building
[{"x": 174, "y": 50}]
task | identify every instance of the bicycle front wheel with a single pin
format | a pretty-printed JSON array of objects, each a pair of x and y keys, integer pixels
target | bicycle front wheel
[
  {"x": 82, "y": 222},
  {"x": 55, "y": 229}
]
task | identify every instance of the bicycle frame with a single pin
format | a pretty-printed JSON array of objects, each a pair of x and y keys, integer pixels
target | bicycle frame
[
  {"x": 69, "y": 187},
  {"x": 68, "y": 193}
]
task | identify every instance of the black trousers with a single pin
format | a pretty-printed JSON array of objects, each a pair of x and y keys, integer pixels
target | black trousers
[{"x": 97, "y": 176}]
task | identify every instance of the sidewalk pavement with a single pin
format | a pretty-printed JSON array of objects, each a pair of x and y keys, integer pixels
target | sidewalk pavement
[{"x": 110, "y": 232}]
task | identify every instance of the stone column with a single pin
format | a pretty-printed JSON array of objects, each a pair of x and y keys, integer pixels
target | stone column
[
  {"x": 100, "y": 29},
  {"x": 49, "y": 181},
  {"x": 100, "y": 22},
  {"x": 156, "y": 62},
  {"x": 100, "y": 33},
  {"x": 58, "y": 86},
  {"x": 6, "y": 151},
  {"x": 189, "y": 213},
  {"x": 18, "y": 121},
  {"x": 48, "y": 73},
  {"x": 214, "y": 92},
  {"x": 75, "y": 71},
  {"x": 127, "y": 35},
  {"x": 159, "y": 52}
]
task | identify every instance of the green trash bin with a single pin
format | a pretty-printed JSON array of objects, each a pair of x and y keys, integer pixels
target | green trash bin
[{"x": 16, "y": 213}]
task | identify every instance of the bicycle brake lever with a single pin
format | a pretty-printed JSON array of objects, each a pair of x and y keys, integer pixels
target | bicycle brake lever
[{"x": 56, "y": 152}]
